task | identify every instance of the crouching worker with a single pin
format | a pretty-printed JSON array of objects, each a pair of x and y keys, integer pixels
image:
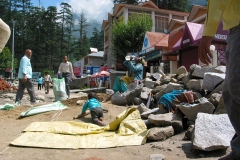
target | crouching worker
[{"x": 95, "y": 108}]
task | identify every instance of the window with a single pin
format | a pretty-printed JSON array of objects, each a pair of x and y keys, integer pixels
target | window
[{"x": 161, "y": 22}]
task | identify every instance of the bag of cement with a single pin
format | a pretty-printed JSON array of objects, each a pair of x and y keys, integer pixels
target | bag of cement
[
  {"x": 59, "y": 89},
  {"x": 4, "y": 34},
  {"x": 119, "y": 99}
]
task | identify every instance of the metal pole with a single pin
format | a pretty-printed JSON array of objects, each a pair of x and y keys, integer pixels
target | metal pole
[{"x": 12, "y": 50}]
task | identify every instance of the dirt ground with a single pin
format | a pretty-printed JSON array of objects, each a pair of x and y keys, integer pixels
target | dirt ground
[{"x": 174, "y": 148}]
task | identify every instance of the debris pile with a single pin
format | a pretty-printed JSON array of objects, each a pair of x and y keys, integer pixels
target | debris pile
[
  {"x": 4, "y": 86},
  {"x": 185, "y": 101}
]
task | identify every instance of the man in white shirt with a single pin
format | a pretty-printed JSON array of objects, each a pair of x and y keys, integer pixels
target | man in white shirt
[
  {"x": 47, "y": 80},
  {"x": 67, "y": 73}
]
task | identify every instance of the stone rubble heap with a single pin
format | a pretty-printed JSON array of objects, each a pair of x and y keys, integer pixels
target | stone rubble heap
[{"x": 199, "y": 111}]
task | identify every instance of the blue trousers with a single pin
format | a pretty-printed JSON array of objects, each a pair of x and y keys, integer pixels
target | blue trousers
[{"x": 231, "y": 88}]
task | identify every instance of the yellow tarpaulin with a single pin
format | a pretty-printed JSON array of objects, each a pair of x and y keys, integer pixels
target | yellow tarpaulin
[{"x": 127, "y": 129}]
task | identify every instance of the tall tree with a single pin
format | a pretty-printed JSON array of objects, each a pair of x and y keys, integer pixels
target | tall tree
[
  {"x": 83, "y": 26},
  {"x": 128, "y": 37},
  {"x": 66, "y": 16},
  {"x": 96, "y": 40}
]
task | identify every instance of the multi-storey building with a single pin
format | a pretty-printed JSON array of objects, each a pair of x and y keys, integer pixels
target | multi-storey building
[{"x": 160, "y": 18}]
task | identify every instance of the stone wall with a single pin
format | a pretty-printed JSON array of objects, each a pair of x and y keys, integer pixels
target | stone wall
[{"x": 80, "y": 82}]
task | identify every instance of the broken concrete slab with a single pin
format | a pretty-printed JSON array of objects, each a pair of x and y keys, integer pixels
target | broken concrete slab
[
  {"x": 211, "y": 80},
  {"x": 212, "y": 132},
  {"x": 191, "y": 110}
]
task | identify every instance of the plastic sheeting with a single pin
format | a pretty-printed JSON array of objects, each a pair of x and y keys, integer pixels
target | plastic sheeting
[
  {"x": 45, "y": 108},
  {"x": 127, "y": 129},
  {"x": 7, "y": 106}
]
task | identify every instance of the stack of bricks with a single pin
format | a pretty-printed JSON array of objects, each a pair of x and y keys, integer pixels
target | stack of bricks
[{"x": 4, "y": 86}]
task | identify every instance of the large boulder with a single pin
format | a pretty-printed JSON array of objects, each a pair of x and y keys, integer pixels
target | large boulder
[{"x": 212, "y": 132}]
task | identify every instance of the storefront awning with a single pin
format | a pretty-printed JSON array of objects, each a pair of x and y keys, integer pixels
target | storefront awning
[
  {"x": 193, "y": 34},
  {"x": 154, "y": 41}
]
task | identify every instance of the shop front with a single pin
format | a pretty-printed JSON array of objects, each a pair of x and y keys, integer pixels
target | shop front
[{"x": 187, "y": 46}]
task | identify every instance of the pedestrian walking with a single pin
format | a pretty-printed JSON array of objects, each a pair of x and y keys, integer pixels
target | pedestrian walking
[{"x": 67, "y": 73}]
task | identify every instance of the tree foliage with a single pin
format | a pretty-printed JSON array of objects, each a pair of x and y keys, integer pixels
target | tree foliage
[
  {"x": 128, "y": 37},
  {"x": 127, "y": 1},
  {"x": 49, "y": 33},
  {"x": 176, "y": 5},
  {"x": 96, "y": 40},
  {"x": 6, "y": 59}
]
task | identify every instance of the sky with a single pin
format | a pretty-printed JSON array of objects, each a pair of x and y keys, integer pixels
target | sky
[{"x": 96, "y": 10}]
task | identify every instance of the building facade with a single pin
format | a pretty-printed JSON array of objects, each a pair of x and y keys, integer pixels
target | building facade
[{"x": 160, "y": 18}]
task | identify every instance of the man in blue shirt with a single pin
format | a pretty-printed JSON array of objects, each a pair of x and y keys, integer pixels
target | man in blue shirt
[
  {"x": 136, "y": 70},
  {"x": 25, "y": 76}
]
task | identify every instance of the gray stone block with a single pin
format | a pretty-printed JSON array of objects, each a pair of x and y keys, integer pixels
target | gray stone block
[
  {"x": 147, "y": 113},
  {"x": 212, "y": 132},
  {"x": 173, "y": 86},
  {"x": 215, "y": 98},
  {"x": 181, "y": 70},
  {"x": 220, "y": 109},
  {"x": 211, "y": 80},
  {"x": 168, "y": 119},
  {"x": 191, "y": 110},
  {"x": 142, "y": 108},
  {"x": 195, "y": 84},
  {"x": 157, "y": 157},
  {"x": 149, "y": 83},
  {"x": 218, "y": 89},
  {"x": 119, "y": 99},
  {"x": 200, "y": 71},
  {"x": 160, "y": 134}
]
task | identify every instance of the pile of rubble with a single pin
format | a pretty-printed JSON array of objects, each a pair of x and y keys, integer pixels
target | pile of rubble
[
  {"x": 191, "y": 101},
  {"x": 4, "y": 86}
]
